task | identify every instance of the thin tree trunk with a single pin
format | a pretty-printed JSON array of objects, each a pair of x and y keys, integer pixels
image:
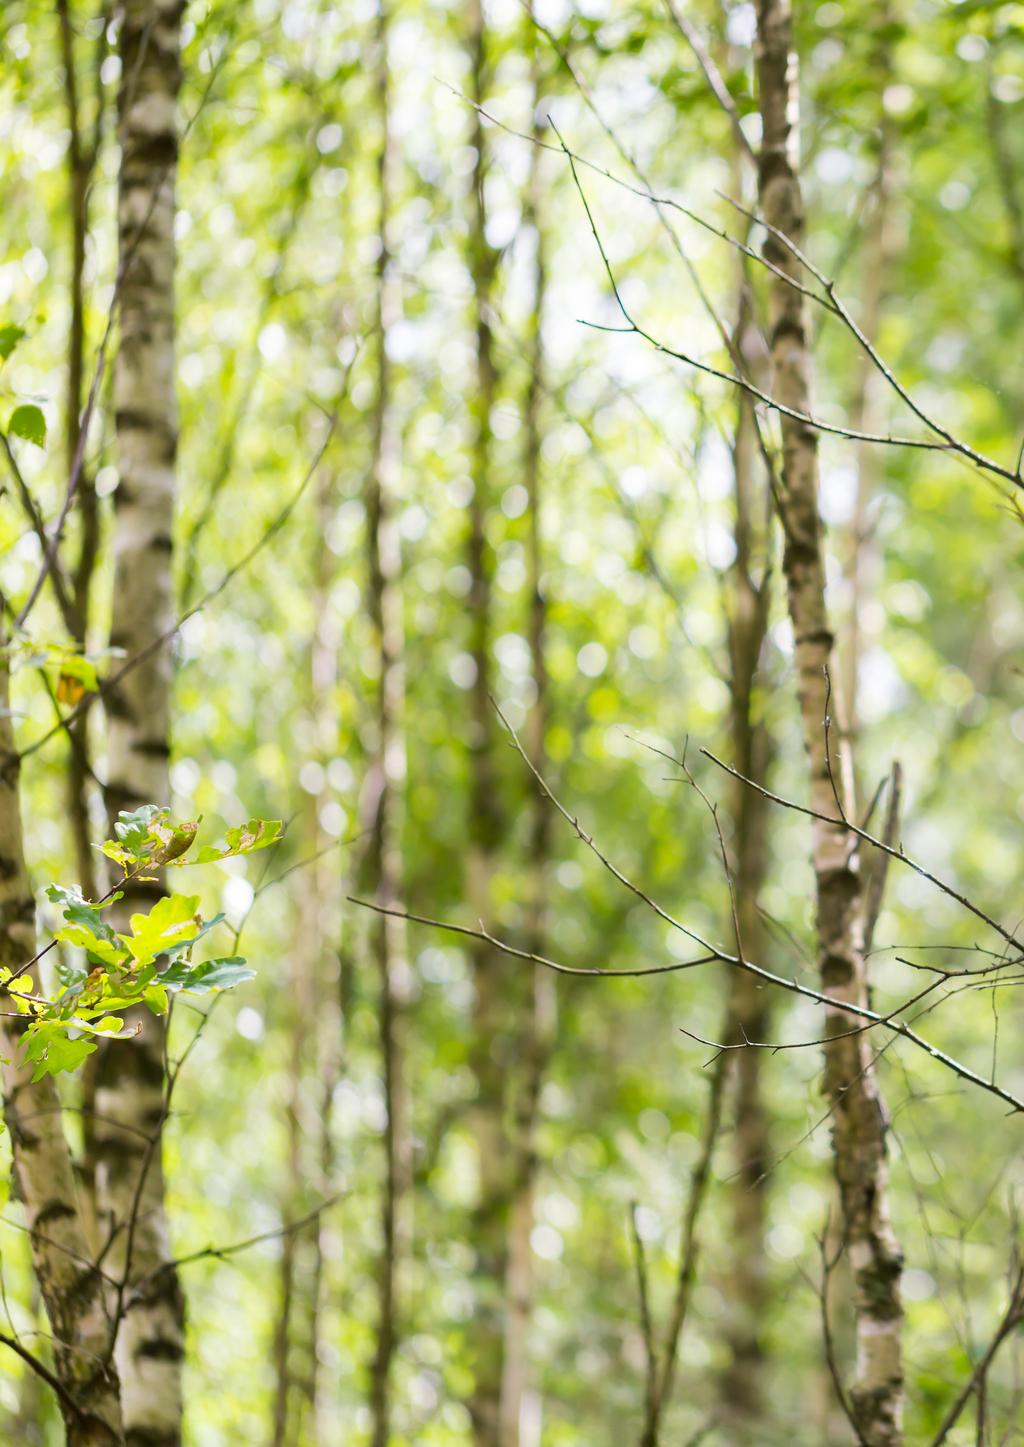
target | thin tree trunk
[
  {"x": 858, "y": 1115},
  {"x": 490, "y": 1224},
  {"x": 289, "y": 1405},
  {"x": 747, "y": 1009},
  {"x": 862, "y": 563},
  {"x": 81, "y": 164},
  {"x": 538, "y": 1008},
  {"x": 335, "y": 1013},
  {"x": 332, "y": 966},
  {"x": 71, "y": 1286},
  {"x": 661, "y": 1365},
  {"x": 130, "y": 1086},
  {"x": 386, "y": 785},
  {"x": 295, "y": 1335},
  {"x": 82, "y": 157},
  {"x": 282, "y": 1327},
  {"x": 310, "y": 1073}
]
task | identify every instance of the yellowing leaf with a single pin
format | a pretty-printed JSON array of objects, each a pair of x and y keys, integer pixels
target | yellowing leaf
[{"x": 172, "y": 921}]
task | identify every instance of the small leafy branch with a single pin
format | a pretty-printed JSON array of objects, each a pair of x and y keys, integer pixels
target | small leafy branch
[{"x": 147, "y": 965}]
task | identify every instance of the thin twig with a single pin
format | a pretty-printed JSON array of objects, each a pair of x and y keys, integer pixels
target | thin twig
[
  {"x": 221, "y": 1253},
  {"x": 891, "y": 850},
  {"x": 1012, "y": 1318}
]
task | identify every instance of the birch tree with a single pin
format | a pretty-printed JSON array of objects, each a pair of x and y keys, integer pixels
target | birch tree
[
  {"x": 858, "y": 1114},
  {"x": 129, "y": 1096},
  {"x": 748, "y": 1012}
]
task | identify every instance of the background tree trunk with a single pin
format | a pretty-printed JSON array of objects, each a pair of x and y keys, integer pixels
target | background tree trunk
[
  {"x": 490, "y": 1022},
  {"x": 385, "y": 784},
  {"x": 536, "y": 1006}
]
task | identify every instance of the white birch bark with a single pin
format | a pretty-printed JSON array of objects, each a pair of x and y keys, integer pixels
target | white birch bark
[{"x": 130, "y": 1082}]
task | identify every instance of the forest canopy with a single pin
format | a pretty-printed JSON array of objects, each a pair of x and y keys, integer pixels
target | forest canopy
[{"x": 510, "y": 720}]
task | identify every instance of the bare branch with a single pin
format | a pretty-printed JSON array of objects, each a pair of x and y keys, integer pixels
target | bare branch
[
  {"x": 507, "y": 949},
  {"x": 1012, "y": 1318},
  {"x": 890, "y": 850},
  {"x": 222, "y": 1253},
  {"x": 714, "y": 78}
]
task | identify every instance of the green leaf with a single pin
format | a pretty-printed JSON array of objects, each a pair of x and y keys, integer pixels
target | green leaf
[
  {"x": 111, "y": 1026},
  {"x": 70, "y": 976},
  {"x": 117, "y": 994},
  {"x": 177, "y": 974},
  {"x": 94, "y": 945},
  {"x": 59, "y": 1053},
  {"x": 78, "y": 910},
  {"x": 10, "y": 336},
  {"x": 187, "y": 944},
  {"x": 132, "y": 827},
  {"x": 28, "y": 422},
  {"x": 117, "y": 852},
  {"x": 223, "y": 974},
  {"x": 257, "y": 834},
  {"x": 172, "y": 921},
  {"x": 156, "y": 999}
]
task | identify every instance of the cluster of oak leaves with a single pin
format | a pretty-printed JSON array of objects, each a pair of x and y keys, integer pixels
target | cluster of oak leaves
[{"x": 112, "y": 973}]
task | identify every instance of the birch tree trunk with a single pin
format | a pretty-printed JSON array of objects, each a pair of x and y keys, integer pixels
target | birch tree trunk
[
  {"x": 747, "y": 1009},
  {"x": 386, "y": 784},
  {"x": 130, "y": 1086},
  {"x": 83, "y": 153},
  {"x": 859, "y": 1122},
  {"x": 70, "y": 1285}
]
